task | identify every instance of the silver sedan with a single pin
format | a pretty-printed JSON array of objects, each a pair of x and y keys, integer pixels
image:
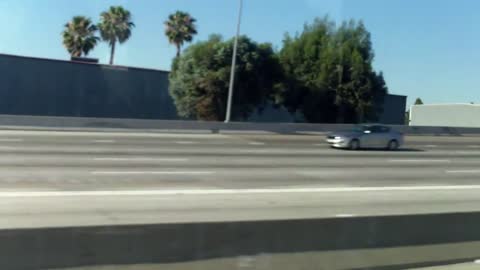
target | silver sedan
[{"x": 367, "y": 136}]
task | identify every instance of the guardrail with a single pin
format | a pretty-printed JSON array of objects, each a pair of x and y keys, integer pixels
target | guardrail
[
  {"x": 390, "y": 242},
  {"x": 48, "y": 122}
]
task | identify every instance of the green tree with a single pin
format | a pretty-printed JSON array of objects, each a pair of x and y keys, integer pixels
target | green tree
[
  {"x": 307, "y": 79},
  {"x": 79, "y": 36},
  {"x": 329, "y": 74},
  {"x": 200, "y": 77},
  {"x": 418, "y": 101},
  {"x": 115, "y": 26},
  {"x": 180, "y": 28}
]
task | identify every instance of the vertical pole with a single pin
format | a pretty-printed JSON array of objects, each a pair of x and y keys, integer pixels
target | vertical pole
[{"x": 234, "y": 63}]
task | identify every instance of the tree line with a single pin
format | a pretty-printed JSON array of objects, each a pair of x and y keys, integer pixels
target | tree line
[
  {"x": 325, "y": 73},
  {"x": 115, "y": 27}
]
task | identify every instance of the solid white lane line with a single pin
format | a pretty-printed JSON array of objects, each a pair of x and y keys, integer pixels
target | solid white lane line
[
  {"x": 463, "y": 171},
  {"x": 11, "y": 140},
  {"x": 151, "y": 172},
  {"x": 103, "y": 141},
  {"x": 143, "y": 159},
  {"x": 228, "y": 191},
  {"x": 431, "y": 145},
  {"x": 419, "y": 160},
  {"x": 185, "y": 142}
]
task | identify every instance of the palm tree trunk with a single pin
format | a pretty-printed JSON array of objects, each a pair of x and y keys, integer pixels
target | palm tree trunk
[
  {"x": 112, "y": 52},
  {"x": 178, "y": 50}
]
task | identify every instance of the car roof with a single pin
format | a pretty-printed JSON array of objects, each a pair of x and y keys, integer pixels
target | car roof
[{"x": 372, "y": 124}]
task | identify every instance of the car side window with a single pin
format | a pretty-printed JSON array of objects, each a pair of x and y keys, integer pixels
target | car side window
[
  {"x": 385, "y": 129},
  {"x": 379, "y": 129},
  {"x": 376, "y": 129}
]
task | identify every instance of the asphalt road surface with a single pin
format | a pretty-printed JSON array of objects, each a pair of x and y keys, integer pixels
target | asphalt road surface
[{"x": 86, "y": 178}]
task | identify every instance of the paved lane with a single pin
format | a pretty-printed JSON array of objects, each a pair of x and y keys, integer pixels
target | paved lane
[
  {"x": 101, "y": 178},
  {"x": 75, "y": 208}
]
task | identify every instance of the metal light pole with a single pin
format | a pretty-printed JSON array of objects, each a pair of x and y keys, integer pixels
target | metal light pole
[{"x": 234, "y": 63}]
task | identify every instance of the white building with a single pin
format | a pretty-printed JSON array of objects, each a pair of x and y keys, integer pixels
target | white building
[{"x": 446, "y": 115}]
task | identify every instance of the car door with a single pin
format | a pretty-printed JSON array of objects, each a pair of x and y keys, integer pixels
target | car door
[
  {"x": 375, "y": 137},
  {"x": 385, "y": 135},
  {"x": 367, "y": 139}
]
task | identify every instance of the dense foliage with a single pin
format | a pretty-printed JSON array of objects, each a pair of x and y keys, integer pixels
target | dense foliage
[
  {"x": 325, "y": 73},
  {"x": 200, "y": 78},
  {"x": 329, "y": 75}
]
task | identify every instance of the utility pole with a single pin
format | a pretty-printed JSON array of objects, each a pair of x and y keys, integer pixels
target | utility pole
[{"x": 234, "y": 63}]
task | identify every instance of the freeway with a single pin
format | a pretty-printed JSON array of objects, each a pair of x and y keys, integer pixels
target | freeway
[{"x": 57, "y": 179}]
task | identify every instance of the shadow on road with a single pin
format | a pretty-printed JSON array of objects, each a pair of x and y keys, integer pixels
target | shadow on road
[
  {"x": 398, "y": 150},
  {"x": 384, "y": 150}
]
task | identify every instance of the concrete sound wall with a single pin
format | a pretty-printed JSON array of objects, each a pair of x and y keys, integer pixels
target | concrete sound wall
[
  {"x": 34, "y": 86},
  {"x": 391, "y": 242},
  {"x": 393, "y": 112}
]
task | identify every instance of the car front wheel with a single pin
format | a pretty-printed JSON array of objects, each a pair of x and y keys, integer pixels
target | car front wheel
[{"x": 354, "y": 144}]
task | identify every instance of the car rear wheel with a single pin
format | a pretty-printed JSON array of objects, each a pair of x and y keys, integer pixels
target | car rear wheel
[
  {"x": 354, "y": 144},
  {"x": 392, "y": 145}
]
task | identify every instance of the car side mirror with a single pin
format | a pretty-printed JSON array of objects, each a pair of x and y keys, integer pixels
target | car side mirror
[{"x": 367, "y": 132}]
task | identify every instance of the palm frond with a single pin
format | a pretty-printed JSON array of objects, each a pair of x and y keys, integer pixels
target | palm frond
[
  {"x": 180, "y": 28},
  {"x": 116, "y": 25},
  {"x": 79, "y": 36}
]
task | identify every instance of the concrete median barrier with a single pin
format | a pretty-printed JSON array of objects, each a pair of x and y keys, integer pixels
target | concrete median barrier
[
  {"x": 392, "y": 242},
  {"x": 96, "y": 124}
]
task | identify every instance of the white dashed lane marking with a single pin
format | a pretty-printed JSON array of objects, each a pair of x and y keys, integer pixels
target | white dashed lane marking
[
  {"x": 142, "y": 159},
  {"x": 463, "y": 171},
  {"x": 419, "y": 160},
  {"x": 103, "y": 141},
  {"x": 151, "y": 172},
  {"x": 344, "y": 215},
  {"x": 11, "y": 140},
  {"x": 256, "y": 143}
]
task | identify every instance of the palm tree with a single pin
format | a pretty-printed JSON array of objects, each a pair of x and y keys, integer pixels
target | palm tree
[
  {"x": 180, "y": 28},
  {"x": 79, "y": 36},
  {"x": 115, "y": 26}
]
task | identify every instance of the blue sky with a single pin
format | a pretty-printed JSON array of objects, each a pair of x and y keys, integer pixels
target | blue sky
[{"x": 426, "y": 48}]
